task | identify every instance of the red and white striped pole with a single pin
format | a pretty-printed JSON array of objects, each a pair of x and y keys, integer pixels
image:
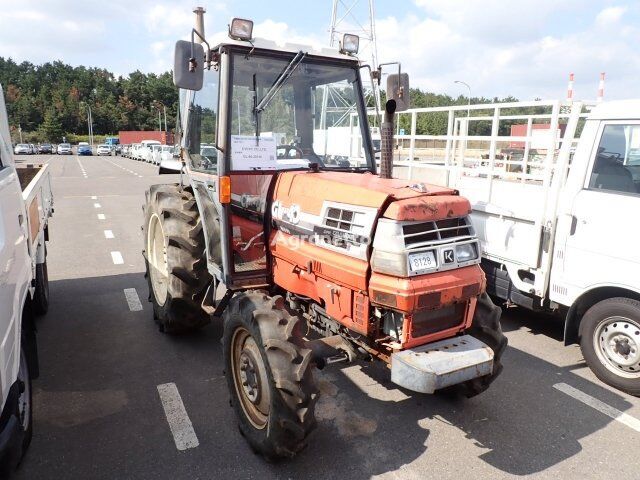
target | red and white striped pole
[
  {"x": 570, "y": 88},
  {"x": 601, "y": 88}
]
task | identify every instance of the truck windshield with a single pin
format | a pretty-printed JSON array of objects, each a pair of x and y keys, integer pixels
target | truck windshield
[{"x": 314, "y": 117}]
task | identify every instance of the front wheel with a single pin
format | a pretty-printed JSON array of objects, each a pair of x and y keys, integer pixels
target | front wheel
[
  {"x": 485, "y": 327},
  {"x": 610, "y": 342},
  {"x": 269, "y": 374}
]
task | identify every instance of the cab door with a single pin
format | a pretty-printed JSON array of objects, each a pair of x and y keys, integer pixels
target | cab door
[
  {"x": 602, "y": 245},
  {"x": 14, "y": 270}
]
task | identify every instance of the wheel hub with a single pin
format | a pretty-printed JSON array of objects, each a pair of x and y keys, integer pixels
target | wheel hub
[
  {"x": 618, "y": 341},
  {"x": 250, "y": 378},
  {"x": 157, "y": 258}
]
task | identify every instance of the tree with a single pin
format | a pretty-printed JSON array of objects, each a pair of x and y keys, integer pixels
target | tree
[{"x": 51, "y": 128}]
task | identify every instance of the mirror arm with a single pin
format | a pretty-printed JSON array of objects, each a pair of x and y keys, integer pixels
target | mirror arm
[
  {"x": 400, "y": 92},
  {"x": 375, "y": 102},
  {"x": 207, "y": 55}
]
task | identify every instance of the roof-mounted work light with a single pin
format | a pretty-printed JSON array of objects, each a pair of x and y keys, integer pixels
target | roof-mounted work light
[
  {"x": 241, "y": 29},
  {"x": 350, "y": 44}
]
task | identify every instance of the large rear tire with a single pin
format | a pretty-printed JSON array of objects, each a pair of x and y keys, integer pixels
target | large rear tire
[
  {"x": 269, "y": 374},
  {"x": 486, "y": 327},
  {"x": 176, "y": 268},
  {"x": 610, "y": 342}
]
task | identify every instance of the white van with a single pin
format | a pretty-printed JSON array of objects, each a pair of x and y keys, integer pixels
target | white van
[{"x": 145, "y": 150}]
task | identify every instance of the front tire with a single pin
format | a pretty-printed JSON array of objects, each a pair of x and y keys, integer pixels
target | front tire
[
  {"x": 176, "y": 267},
  {"x": 486, "y": 327},
  {"x": 610, "y": 342},
  {"x": 269, "y": 374}
]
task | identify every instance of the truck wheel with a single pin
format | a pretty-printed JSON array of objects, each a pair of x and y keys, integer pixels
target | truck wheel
[
  {"x": 610, "y": 342},
  {"x": 25, "y": 404},
  {"x": 176, "y": 267},
  {"x": 486, "y": 328},
  {"x": 269, "y": 374},
  {"x": 41, "y": 294}
]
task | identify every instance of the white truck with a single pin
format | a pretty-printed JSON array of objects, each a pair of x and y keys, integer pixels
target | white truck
[
  {"x": 26, "y": 203},
  {"x": 556, "y": 225}
]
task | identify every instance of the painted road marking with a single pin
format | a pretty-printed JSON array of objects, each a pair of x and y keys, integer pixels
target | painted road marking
[
  {"x": 108, "y": 234},
  {"x": 97, "y": 205},
  {"x": 117, "y": 258},
  {"x": 101, "y": 216},
  {"x": 94, "y": 197},
  {"x": 132, "y": 299},
  {"x": 183, "y": 434},
  {"x": 602, "y": 407}
]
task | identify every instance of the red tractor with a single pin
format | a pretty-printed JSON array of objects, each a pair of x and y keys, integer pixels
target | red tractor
[{"x": 306, "y": 255}]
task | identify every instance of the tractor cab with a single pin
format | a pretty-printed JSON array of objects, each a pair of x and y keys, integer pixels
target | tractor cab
[{"x": 260, "y": 109}]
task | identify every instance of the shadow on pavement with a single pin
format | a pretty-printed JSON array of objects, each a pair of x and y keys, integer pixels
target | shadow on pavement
[{"x": 97, "y": 412}]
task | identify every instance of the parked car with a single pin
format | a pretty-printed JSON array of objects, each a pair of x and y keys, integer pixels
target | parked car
[
  {"x": 145, "y": 150},
  {"x": 170, "y": 159},
  {"x": 64, "y": 149},
  {"x": 45, "y": 148},
  {"x": 22, "y": 149},
  {"x": 156, "y": 150},
  {"x": 34, "y": 150},
  {"x": 84, "y": 149},
  {"x": 103, "y": 149},
  {"x": 125, "y": 150}
]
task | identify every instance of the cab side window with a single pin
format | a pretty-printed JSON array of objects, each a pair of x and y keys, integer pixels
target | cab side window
[
  {"x": 201, "y": 130},
  {"x": 617, "y": 164}
]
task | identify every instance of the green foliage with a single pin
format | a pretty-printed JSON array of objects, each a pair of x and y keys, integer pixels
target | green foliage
[{"x": 50, "y": 100}]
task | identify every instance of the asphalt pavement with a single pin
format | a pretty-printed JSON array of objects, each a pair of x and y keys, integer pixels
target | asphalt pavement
[{"x": 98, "y": 412}]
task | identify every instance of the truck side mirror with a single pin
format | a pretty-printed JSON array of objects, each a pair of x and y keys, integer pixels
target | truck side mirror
[
  {"x": 188, "y": 65},
  {"x": 398, "y": 90}
]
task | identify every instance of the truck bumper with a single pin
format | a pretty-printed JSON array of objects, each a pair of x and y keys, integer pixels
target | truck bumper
[{"x": 437, "y": 365}]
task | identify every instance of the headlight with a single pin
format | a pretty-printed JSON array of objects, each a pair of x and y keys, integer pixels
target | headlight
[
  {"x": 241, "y": 29},
  {"x": 466, "y": 252},
  {"x": 390, "y": 263},
  {"x": 350, "y": 44}
]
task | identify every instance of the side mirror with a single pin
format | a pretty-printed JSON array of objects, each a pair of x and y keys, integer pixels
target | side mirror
[
  {"x": 188, "y": 65},
  {"x": 398, "y": 90}
]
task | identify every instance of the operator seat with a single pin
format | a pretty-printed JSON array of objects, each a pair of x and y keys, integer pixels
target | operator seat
[{"x": 610, "y": 174}]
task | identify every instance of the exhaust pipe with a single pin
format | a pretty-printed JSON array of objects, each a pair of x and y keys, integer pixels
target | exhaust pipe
[
  {"x": 386, "y": 140},
  {"x": 199, "y": 27}
]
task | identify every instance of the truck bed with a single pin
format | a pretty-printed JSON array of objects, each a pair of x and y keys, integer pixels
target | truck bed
[{"x": 26, "y": 174}]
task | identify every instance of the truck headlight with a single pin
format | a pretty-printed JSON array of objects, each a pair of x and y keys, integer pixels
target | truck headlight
[
  {"x": 390, "y": 263},
  {"x": 466, "y": 252}
]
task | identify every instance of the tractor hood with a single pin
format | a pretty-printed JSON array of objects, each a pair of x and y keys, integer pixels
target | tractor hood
[{"x": 396, "y": 199}]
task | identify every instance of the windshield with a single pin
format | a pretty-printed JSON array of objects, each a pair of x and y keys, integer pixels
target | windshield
[{"x": 310, "y": 118}]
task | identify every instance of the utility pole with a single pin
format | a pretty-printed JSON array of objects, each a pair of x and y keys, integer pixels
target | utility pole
[
  {"x": 20, "y": 132},
  {"x": 164, "y": 108},
  {"x": 468, "y": 96}
]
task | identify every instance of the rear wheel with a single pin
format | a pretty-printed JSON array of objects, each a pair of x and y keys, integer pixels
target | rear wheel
[
  {"x": 41, "y": 294},
  {"x": 610, "y": 342},
  {"x": 25, "y": 410},
  {"x": 269, "y": 374},
  {"x": 176, "y": 268}
]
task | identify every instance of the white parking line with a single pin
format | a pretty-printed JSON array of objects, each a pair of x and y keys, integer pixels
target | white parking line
[
  {"x": 97, "y": 205},
  {"x": 132, "y": 299},
  {"x": 602, "y": 407},
  {"x": 108, "y": 234},
  {"x": 101, "y": 216},
  {"x": 94, "y": 197},
  {"x": 117, "y": 258},
  {"x": 183, "y": 434}
]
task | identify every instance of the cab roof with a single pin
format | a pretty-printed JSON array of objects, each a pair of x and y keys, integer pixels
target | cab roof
[
  {"x": 316, "y": 50},
  {"x": 616, "y": 110}
]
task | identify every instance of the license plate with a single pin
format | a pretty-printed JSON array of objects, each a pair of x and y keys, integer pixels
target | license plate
[{"x": 422, "y": 261}]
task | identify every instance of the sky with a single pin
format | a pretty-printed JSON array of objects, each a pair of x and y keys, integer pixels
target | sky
[{"x": 524, "y": 48}]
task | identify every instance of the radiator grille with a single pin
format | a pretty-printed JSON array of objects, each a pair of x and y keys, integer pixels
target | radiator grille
[
  {"x": 425, "y": 322},
  {"x": 450, "y": 230}
]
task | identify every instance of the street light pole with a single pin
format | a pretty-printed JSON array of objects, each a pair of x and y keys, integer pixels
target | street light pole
[{"x": 468, "y": 96}]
